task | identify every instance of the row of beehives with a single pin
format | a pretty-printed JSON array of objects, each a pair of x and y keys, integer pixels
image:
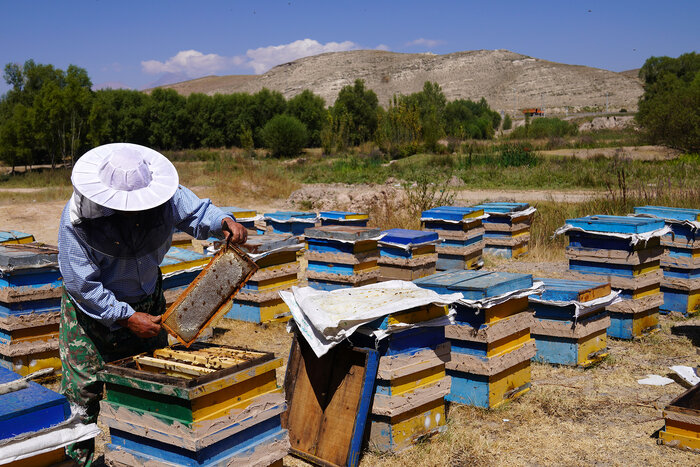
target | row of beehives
[{"x": 344, "y": 255}]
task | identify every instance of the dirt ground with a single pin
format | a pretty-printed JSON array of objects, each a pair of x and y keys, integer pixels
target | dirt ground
[{"x": 571, "y": 416}]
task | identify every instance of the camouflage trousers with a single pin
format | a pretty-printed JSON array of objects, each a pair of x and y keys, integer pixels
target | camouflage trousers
[{"x": 85, "y": 345}]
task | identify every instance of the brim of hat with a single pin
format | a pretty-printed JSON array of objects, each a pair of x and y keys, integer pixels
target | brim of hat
[{"x": 86, "y": 180}]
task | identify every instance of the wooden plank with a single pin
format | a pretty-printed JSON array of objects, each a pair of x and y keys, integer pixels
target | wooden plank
[
  {"x": 329, "y": 401},
  {"x": 178, "y": 368}
]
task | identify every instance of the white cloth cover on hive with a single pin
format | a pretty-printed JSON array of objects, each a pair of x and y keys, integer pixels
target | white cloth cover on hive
[{"x": 327, "y": 318}]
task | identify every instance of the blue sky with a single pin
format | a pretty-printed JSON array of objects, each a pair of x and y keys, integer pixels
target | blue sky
[{"x": 137, "y": 43}]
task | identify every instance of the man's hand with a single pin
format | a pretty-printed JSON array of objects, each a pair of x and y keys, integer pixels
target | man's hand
[
  {"x": 143, "y": 325},
  {"x": 233, "y": 231}
]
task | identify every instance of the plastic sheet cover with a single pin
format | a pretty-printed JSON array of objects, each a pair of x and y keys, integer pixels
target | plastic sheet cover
[{"x": 326, "y": 318}]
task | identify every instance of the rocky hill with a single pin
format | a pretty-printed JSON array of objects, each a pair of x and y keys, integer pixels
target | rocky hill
[{"x": 506, "y": 79}]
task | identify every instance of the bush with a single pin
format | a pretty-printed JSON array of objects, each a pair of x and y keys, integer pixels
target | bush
[
  {"x": 516, "y": 155},
  {"x": 507, "y": 122},
  {"x": 284, "y": 135},
  {"x": 542, "y": 127}
]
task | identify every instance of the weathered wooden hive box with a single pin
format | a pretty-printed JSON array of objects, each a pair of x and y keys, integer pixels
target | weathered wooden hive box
[
  {"x": 10, "y": 237},
  {"x": 203, "y": 406},
  {"x": 278, "y": 269},
  {"x": 507, "y": 228},
  {"x": 409, "y": 395},
  {"x": 407, "y": 254},
  {"x": 30, "y": 410},
  {"x": 562, "y": 336},
  {"x": 341, "y": 256},
  {"x": 179, "y": 269},
  {"x": 682, "y": 417},
  {"x": 30, "y": 304},
  {"x": 357, "y": 219},
  {"x": 290, "y": 222},
  {"x": 491, "y": 346},
  {"x": 680, "y": 262},
  {"x": 603, "y": 251},
  {"x": 461, "y": 230}
]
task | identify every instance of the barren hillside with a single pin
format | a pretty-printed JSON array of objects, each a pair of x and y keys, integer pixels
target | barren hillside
[{"x": 506, "y": 79}]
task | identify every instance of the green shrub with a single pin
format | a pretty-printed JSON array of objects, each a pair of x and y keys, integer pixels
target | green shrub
[
  {"x": 284, "y": 135},
  {"x": 516, "y": 155},
  {"x": 542, "y": 127},
  {"x": 507, "y": 122}
]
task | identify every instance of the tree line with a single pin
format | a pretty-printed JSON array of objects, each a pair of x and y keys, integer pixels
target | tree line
[{"x": 50, "y": 116}]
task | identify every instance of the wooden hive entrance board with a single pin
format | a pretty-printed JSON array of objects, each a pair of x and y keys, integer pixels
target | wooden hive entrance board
[{"x": 329, "y": 400}]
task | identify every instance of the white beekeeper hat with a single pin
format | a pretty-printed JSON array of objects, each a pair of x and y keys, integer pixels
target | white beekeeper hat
[{"x": 125, "y": 177}]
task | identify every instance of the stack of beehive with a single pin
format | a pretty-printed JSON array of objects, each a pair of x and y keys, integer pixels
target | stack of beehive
[
  {"x": 507, "y": 228},
  {"x": 407, "y": 254},
  {"x": 409, "y": 396},
  {"x": 357, "y": 219},
  {"x": 625, "y": 252},
  {"x": 681, "y": 260},
  {"x": 179, "y": 268},
  {"x": 571, "y": 323},
  {"x": 203, "y": 406},
  {"x": 293, "y": 222},
  {"x": 259, "y": 301},
  {"x": 35, "y": 423},
  {"x": 490, "y": 341},
  {"x": 462, "y": 232},
  {"x": 10, "y": 237},
  {"x": 30, "y": 304},
  {"x": 341, "y": 256}
]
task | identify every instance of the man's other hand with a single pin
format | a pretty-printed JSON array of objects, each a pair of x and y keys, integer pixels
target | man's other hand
[
  {"x": 233, "y": 231},
  {"x": 143, "y": 325}
]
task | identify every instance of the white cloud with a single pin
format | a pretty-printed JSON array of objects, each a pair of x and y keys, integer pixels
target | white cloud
[
  {"x": 425, "y": 42},
  {"x": 191, "y": 63},
  {"x": 383, "y": 47},
  {"x": 264, "y": 58}
]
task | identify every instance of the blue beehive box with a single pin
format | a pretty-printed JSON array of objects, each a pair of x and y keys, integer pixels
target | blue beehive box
[
  {"x": 358, "y": 219},
  {"x": 507, "y": 232},
  {"x": 634, "y": 268},
  {"x": 31, "y": 409},
  {"x": 491, "y": 346},
  {"x": 293, "y": 222},
  {"x": 462, "y": 232},
  {"x": 10, "y": 237},
  {"x": 681, "y": 261},
  {"x": 561, "y": 337},
  {"x": 407, "y": 254}
]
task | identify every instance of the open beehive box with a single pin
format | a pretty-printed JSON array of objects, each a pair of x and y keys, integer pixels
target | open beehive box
[
  {"x": 185, "y": 405},
  {"x": 682, "y": 416}
]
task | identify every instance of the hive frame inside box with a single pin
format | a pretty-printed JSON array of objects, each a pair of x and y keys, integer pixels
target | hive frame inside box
[
  {"x": 682, "y": 417},
  {"x": 237, "y": 414}
]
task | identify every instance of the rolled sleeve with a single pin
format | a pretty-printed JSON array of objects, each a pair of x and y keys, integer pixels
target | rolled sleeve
[{"x": 198, "y": 217}]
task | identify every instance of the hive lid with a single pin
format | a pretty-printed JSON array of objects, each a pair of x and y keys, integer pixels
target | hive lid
[
  {"x": 289, "y": 215},
  {"x": 26, "y": 256},
  {"x": 453, "y": 213},
  {"x": 617, "y": 224},
  {"x": 502, "y": 207},
  {"x": 408, "y": 237},
  {"x": 257, "y": 244},
  {"x": 565, "y": 290},
  {"x": 345, "y": 233},
  {"x": 343, "y": 215},
  {"x": 676, "y": 214},
  {"x": 206, "y": 297}
]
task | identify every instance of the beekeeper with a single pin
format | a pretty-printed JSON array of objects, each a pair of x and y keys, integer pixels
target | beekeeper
[{"x": 114, "y": 233}]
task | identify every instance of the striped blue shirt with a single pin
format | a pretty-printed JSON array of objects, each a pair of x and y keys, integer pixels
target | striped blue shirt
[{"x": 103, "y": 286}]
